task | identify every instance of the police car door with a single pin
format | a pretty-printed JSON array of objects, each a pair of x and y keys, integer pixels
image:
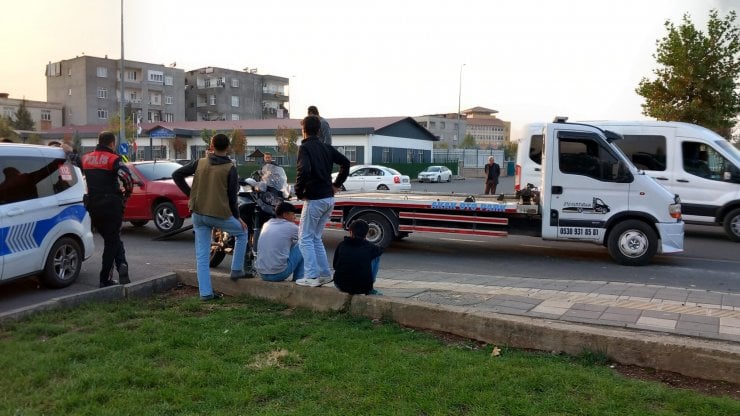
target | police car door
[{"x": 584, "y": 188}]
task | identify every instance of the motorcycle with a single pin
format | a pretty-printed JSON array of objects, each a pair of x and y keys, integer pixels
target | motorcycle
[{"x": 258, "y": 197}]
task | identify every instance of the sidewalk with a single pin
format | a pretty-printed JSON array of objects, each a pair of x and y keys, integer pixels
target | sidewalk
[{"x": 696, "y": 313}]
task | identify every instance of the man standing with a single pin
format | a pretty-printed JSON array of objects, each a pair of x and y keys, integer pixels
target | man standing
[
  {"x": 279, "y": 254},
  {"x": 105, "y": 202},
  {"x": 213, "y": 202},
  {"x": 313, "y": 185},
  {"x": 493, "y": 171},
  {"x": 325, "y": 131}
]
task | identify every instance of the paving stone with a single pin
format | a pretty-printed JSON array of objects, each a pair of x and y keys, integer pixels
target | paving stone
[
  {"x": 571, "y": 313},
  {"x": 640, "y": 292},
  {"x": 731, "y": 300},
  {"x": 678, "y": 295},
  {"x": 661, "y": 315},
  {"x": 657, "y": 322},
  {"x": 699, "y": 319},
  {"x": 697, "y": 327},
  {"x": 611, "y": 289},
  {"x": 729, "y": 330},
  {"x": 514, "y": 298},
  {"x": 705, "y": 297},
  {"x": 588, "y": 307},
  {"x": 622, "y": 311},
  {"x": 618, "y": 317},
  {"x": 446, "y": 298},
  {"x": 730, "y": 322}
]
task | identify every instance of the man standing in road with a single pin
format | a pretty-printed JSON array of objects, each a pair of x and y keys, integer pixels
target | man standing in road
[
  {"x": 325, "y": 131},
  {"x": 213, "y": 202},
  {"x": 492, "y": 171},
  {"x": 105, "y": 202},
  {"x": 313, "y": 185}
]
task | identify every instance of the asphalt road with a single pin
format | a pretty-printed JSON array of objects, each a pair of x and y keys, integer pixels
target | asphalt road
[{"x": 709, "y": 262}]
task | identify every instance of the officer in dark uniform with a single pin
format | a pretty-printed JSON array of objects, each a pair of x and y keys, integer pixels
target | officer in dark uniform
[{"x": 105, "y": 173}]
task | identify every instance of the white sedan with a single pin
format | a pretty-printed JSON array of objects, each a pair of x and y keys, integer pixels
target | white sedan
[
  {"x": 365, "y": 178},
  {"x": 435, "y": 174}
]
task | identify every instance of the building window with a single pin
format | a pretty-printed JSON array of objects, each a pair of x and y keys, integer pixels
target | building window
[
  {"x": 130, "y": 75},
  {"x": 235, "y": 117},
  {"x": 234, "y": 101},
  {"x": 386, "y": 156},
  {"x": 156, "y": 76},
  {"x": 45, "y": 115},
  {"x": 211, "y": 99},
  {"x": 102, "y": 92},
  {"x": 152, "y": 116},
  {"x": 432, "y": 124},
  {"x": 168, "y": 80},
  {"x": 168, "y": 99},
  {"x": 102, "y": 72},
  {"x": 441, "y": 125},
  {"x": 350, "y": 152},
  {"x": 234, "y": 83},
  {"x": 409, "y": 155},
  {"x": 155, "y": 99},
  {"x": 102, "y": 114},
  {"x": 169, "y": 117}
]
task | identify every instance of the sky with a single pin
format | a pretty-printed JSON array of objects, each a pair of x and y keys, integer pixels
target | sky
[{"x": 530, "y": 60}]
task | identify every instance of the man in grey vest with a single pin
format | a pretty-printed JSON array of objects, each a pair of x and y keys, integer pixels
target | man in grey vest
[
  {"x": 213, "y": 202},
  {"x": 325, "y": 130}
]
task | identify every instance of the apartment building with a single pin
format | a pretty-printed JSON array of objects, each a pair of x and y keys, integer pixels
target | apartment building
[
  {"x": 488, "y": 131},
  {"x": 90, "y": 90},
  {"x": 45, "y": 115},
  {"x": 449, "y": 128},
  {"x": 225, "y": 94}
]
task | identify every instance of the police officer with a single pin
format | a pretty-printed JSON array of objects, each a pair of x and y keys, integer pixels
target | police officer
[{"x": 105, "y": 173}]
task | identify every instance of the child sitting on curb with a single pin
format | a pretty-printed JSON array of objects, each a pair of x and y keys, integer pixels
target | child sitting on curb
[{"x": 356, "y": 262}]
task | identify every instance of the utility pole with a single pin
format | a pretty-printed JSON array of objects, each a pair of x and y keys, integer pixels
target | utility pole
[
  {"x": 459, "y": 96},
  {"x": 121, "y": 113}
]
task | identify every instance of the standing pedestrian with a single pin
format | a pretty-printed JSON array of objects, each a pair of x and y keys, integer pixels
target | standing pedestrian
[
  {"x": 314, "y": 186},
  {"x": 105, "y": 173},
  {"x": 325, "y": 130},
  {"x": 492, "y": 171},
  {"x": 213, "y": 202}
]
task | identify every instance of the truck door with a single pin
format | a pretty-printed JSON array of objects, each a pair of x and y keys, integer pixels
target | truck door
[{"x": 587, "y": 184}]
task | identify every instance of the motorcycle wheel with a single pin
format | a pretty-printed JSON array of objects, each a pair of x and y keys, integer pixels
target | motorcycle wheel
[{"x": 217, "y": 256}]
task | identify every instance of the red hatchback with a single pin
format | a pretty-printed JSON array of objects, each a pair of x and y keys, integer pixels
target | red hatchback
[{"x": 156, "y": 197}]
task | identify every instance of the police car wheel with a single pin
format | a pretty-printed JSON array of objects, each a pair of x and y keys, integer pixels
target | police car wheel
[
  {"x": 63, "y": 264},
  {"x": 166, "y": 218}
]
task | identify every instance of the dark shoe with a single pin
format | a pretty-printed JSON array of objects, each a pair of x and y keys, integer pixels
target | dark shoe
[
  {"x": 123, "y": 274},
  {"x": 239, "y": 274},
  {"x": 214, "y": 296},
  {"x": 109, "y": 282}
]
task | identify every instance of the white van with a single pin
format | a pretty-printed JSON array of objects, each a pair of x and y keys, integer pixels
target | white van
[
  {"x": 694, "y": 162},
  {"x": 44, "y": 227}
]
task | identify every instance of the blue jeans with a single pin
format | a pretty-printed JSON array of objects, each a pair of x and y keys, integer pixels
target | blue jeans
[
  {"x": 294, "y": 267},
  {"x": 374, "y": 266},
  {"x": 314, "y": 216},
  {"x": 203, "y": 225}
]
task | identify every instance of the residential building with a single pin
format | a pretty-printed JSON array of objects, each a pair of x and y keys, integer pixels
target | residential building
[
  {"x": 45, "y": 115},
  {"x": 372, "y": 140},
  {"x": 488, "y": 131},
  {"x": 226, "y": 94},
  {"x": 449, "y": 128},
  {"x": 90, "y": 90}
]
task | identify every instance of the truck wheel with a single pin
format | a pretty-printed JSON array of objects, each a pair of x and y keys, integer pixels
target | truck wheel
[
  {"x": 732, "y": 224},
  {"x": 63, "y": 264},
  {"x": 380, "y": 230},
  {"x": 632, "y": 243},
  {"x": 166, "y": 218}
]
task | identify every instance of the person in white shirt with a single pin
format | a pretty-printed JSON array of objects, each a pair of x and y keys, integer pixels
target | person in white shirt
[{"x": 279, "y": 256}]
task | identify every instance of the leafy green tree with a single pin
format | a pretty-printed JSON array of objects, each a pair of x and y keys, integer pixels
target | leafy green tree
[
  {"x": 468, "y": 142},
  {"x": 510, "y": 149},
  {"x": 23, "y": 120},
  {"x": 238, "y": 144},
  {"x": 696, "y": 80},
  {"x": 206, "y": 135},
  {"x": 6, "y": 130},
  {"x": 287, "y": 141}
]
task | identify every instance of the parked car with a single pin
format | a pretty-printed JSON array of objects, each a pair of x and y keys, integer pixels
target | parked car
[
  {"x": 44, "y": 226},
  {"x": 156, "y": 197},
  {"x": 435, "y": 174},
  {"x": 374, "y": 177}
]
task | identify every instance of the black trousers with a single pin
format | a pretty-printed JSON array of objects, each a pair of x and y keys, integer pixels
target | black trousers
[{"x": 106, "y": 213}]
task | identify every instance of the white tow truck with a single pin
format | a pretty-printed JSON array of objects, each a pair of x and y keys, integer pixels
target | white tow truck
[{"x": 590, "y": 192}]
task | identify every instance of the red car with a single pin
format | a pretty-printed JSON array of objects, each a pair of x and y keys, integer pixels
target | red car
[{"x": 156, "y": 197}]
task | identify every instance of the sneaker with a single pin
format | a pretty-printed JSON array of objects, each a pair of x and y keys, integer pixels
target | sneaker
[
  {"x": 109, "y": 282},
  {"x": 314, "y": 282},
  {"x": 214, "y": 296},
  {"x": 123, "y": 274},
  {"x": 375, "y": 292}
]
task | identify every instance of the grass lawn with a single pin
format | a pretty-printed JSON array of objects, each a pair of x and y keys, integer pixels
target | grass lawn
[{"x": 175, "y": 355}]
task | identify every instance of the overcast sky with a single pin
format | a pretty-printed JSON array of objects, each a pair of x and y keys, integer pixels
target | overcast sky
[{"x": 528, "y": 59}]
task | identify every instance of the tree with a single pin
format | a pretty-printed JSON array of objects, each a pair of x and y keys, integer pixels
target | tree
[
  {"x": 6, "y": 130},
  {"x": 510, "y": 149},
  {"x": 287, "y": 141},
  {"x": 468, "y": 142},
  {"x": 696, "y": 81},
  {"x": 23, "y": 120},
  {"x": 206, "y": 135},
  {"x": 238, "y": 144}
]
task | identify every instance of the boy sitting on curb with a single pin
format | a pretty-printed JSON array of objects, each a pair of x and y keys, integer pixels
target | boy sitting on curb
[{"x": 356, "y": 262}]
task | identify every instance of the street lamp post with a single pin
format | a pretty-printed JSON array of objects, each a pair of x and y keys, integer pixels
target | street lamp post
[
  {"x": 121, "y": 114},
  {"x": 459, "y": 96}
]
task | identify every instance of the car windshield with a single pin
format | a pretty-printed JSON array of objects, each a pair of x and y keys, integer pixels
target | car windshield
[{"x": 157, "y": 170}]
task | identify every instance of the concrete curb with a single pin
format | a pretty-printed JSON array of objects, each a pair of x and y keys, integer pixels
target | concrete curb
[
  {"x": 138, "y": 289},
  {"x": 701, "y": 358}
]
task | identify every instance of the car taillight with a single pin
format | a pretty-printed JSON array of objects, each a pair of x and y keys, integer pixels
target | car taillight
[
  {"x": 396, "y": 179},
  {"x": 518, "y": 176}
]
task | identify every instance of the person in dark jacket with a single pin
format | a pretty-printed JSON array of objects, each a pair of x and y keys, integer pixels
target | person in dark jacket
[
  {"x": 213, "y": 202},
  {"x": 105, "y": 173},
  {"x": 313, "y": 185},
  {"x": 356, "y": 262},
  {"x": 492, "y": 171}
]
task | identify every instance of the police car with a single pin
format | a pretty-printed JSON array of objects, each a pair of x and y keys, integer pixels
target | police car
[{"x": 44, "y": 227}]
